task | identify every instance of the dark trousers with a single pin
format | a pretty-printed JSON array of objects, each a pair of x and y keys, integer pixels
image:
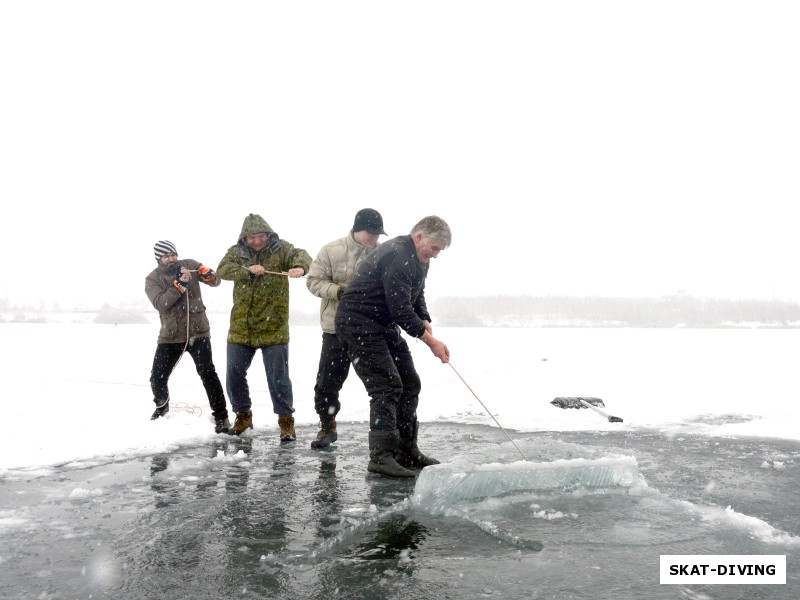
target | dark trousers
[
  {"x": 334, "y": 366},
  {"x": 276, "y": 365},
  {"x": 384, "y": 365},
  {"x": 164, "y": 361}
]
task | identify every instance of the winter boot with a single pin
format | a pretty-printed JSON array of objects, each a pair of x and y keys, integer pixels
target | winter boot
[
  {"x": 244, "y": 421},
  {"x": 408, "y": 455},
  {"x": 286, "y": 423},
  {"x": 160, "y": 411},
  {"x": 327, "y": 432},
  {"x": 222, "y": 425},
  {"x": 382, "y": 446}
]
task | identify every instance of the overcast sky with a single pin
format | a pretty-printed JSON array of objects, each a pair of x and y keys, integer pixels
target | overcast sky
[{"x": 591, "y": 148}]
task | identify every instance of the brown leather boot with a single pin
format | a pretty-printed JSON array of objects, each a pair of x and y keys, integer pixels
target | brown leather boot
[
  {"x": 286, "y": 423},
  {"x": 244, "y": 421}
]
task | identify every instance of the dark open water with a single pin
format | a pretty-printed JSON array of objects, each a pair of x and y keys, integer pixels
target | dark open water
[{"x": 250, "y": 518}]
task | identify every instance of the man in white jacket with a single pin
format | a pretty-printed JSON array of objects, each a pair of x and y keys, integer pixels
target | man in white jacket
[{"x": 330, "y": 273}]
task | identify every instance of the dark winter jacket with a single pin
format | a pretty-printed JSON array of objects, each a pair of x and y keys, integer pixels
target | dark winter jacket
[
  {"x": 387, "y": 290},
  {"x": 260, "y": 313},
  {"x": 171, "y": 304}
]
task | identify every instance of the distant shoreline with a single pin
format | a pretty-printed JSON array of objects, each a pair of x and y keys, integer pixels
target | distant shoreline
[
  {"x": 667, "y": 312},
  {"x": 301, "y": 319}
]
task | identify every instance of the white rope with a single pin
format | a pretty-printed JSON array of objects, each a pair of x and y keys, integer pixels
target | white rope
[
  {"x": 487, "y": 410},
  {"x": 182, "y": 406}
]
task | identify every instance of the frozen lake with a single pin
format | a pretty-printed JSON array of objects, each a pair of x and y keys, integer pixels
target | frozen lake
[
  {"x": 98, "y": 501},
  {"x": 250, "y": 518},
  {"x": 93, "y": 378}
]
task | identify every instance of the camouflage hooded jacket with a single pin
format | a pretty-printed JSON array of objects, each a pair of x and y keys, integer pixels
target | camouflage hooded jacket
[{"x": 260, "y": 313}]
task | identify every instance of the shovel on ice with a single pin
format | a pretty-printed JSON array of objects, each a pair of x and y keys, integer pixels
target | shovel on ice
[{"x": 593, "y": 403}]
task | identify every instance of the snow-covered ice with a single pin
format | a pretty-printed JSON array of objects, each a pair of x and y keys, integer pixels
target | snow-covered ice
[{"x": 78, "y": 391}]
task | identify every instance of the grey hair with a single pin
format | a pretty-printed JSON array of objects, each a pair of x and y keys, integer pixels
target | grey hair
[{"x": 434, "y": 227}]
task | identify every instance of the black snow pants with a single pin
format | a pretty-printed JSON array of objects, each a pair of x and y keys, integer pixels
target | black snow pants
[
  {"x": 168, "y": 355},
  {"x": 383, "y": 362}
]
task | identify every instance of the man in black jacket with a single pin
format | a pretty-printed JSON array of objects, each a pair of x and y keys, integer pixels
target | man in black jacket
[{"x": 386, "y": 295}]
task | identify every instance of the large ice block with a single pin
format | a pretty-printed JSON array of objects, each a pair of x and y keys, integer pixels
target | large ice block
[{"x": 449, "y": 482}]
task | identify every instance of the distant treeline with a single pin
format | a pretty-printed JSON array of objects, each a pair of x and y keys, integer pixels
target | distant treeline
[
  {"x": 499, "y": 311},
  {"x": 569, "y": 311}
]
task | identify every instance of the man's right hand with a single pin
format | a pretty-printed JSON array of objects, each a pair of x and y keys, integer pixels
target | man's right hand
[
  {"x": 179, "y": 285},
  {"x": 438, "y": 347},
  {"x": 181, "y": 274}
]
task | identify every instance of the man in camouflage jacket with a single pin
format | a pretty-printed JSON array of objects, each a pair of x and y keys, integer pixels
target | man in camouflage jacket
[{"x": 259, "y": 265}]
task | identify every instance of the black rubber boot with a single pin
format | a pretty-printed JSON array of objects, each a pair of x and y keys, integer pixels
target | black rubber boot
[
  {"x": 222, "y": 425},
  {"x": 327, "y": 432},
  {"x": 382, "y": 446},
  {"x": 408, "y": 454},
  {"x": 160, "y": 411}
]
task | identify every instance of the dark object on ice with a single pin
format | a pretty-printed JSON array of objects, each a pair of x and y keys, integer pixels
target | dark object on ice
[
  {"x": 575, "y": 402},
  {"x": 578, "y": 402}
]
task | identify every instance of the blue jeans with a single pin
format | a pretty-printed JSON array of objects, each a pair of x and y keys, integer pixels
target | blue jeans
[{"x": 276, "y": 365}]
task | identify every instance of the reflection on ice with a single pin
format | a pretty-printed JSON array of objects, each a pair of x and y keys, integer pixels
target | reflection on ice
[{"x": 449, "y": 482}]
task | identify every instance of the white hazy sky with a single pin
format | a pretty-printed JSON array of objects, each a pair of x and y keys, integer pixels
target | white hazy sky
[{"x": 593, "y": 148}]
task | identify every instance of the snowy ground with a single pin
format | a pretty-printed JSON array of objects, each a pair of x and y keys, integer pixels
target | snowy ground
[{"x": 83, "y": 389}]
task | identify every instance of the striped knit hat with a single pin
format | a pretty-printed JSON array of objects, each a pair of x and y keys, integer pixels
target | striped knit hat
[{"x": 164, "y": 247}]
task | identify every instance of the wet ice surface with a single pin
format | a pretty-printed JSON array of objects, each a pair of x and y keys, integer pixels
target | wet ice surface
[{"x": 587, "y": 517}]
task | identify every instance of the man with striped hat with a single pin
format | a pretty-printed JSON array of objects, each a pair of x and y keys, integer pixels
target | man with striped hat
[{"x": 174, "y": 290}]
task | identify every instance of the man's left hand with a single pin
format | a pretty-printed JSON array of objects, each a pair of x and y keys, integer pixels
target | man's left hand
[{"x": 206, "y": 274}]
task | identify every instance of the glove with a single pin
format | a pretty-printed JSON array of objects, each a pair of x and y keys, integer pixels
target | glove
[
  {"x": 179, "y": 285},
  {"x": 177, "y": 282},
  {"x": 339, "y": 293},
  {"x": 206, "y": 274}
]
